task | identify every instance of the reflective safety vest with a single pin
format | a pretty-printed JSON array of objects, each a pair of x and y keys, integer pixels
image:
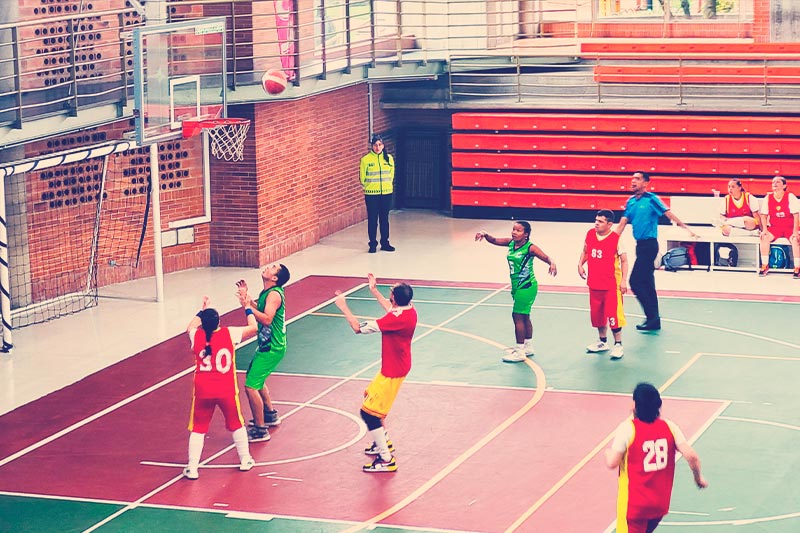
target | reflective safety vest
[{"x": 377, "y": 176}]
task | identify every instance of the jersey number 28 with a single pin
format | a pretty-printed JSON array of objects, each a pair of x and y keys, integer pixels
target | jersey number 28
[{"x": 657, "y": 455}]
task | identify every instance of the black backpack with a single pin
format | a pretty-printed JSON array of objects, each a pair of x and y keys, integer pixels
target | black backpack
[
  {"x": 729, "y": 258},
  {"x": 675, "y": 258}
]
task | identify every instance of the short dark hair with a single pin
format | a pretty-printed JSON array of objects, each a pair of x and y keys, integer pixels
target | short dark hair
[
  {"x": 282, "y": 275},
  {"x": 375, "y": 138},
  {"x": 525, "y": 225},
  {"x": 645, "y": 175},
  {"x": 647, "y": 401},
  {"x": 608, "y": 214},
  {"x": 402, "y": 293}
]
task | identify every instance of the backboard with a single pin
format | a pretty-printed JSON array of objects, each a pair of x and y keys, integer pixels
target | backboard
[{"x": 179, "y": 72}]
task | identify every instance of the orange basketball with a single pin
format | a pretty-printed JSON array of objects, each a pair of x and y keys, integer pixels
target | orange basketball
[{"x": 274, "y": 81}]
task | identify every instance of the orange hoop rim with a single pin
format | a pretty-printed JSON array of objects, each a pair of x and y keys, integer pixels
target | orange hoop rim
[{"x": 193, "y": 126}]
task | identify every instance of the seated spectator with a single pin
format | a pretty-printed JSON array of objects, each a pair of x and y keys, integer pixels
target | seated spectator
[
  {"x": 739, "y": 209},
  {"x": 780, "y": 218}
]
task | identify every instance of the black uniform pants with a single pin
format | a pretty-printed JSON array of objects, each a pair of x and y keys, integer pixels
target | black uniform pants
[
  {"x": 643, "y": 279},
  {"x": 378, "y": 206}
]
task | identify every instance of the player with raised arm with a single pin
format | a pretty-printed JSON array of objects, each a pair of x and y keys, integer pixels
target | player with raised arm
[
  {"x": 215, "y": 382},
  {"x": 397, "y": 330}
]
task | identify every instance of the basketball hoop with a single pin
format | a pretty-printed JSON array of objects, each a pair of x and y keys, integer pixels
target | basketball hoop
[{"x": 227, "y": 135}]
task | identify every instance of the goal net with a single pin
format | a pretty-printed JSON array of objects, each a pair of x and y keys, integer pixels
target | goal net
[{"x": 73, "y": 227}]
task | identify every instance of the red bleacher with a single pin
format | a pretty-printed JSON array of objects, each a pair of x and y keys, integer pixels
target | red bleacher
[{"x": 585, "y": 162}]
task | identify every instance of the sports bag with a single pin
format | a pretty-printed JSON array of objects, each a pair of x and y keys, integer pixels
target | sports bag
[
  {"x": 726, "y": 255},
  {"x": 777, "y": 256},
  {"x": 675, "y": 258}
]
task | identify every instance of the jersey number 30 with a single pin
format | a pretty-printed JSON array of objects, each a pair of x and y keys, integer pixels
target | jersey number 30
[
  {"x": 657, "y": 455},
  {"x": 222, "y": 362}
]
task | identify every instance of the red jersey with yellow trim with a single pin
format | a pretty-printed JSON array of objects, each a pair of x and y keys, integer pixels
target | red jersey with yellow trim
[
  {"x": 215, "y": 374},
  {"x": 732, "y": 210},
  {"x": 648, "y": 467},
  {"x": 397, "y": 329},
  {"x": 602, "y": 258}
]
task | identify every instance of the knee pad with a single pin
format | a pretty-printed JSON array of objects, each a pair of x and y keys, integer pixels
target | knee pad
[{"x": 372, "y": 421}]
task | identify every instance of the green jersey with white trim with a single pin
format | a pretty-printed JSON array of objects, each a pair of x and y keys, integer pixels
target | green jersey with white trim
[
  {"x": 272, "y": 338},
  {"x": 520, "y": 265}
]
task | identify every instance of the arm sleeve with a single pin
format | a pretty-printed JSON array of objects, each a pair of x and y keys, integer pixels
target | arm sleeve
[
  {"x": 794, "y": 204},
  {"x": 370, "y": 326},
  {"x": 362, "y": 171},
  {"x": 622, "y": 437},
  {"x": 680, "y": 438},
  {"x": 191, "y": 337},
  {"x": 236, "y": 334},
  {"x": 659, "y": 206},
  {"x": 753, "y": 204}
]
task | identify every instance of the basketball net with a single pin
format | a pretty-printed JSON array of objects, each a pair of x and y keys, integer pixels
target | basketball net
[{"x": 227, "y": 135}]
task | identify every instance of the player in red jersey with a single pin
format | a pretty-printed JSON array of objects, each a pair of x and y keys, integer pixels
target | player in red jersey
[
  {"x": 215, "y": 382},
  {"x": 397, "y": 329},
  {"x": 780, "y": 217},
  {"x": 608, "y": 270},
  {"x": 738, "y": 209},
  {"x": 643, "y": 450}
]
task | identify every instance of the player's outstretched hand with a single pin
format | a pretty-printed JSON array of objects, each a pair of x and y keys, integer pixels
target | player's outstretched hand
[
  {"x": 371, "y": 280},
  {"x": 553, "y": 270},
  {"x": 480, "y": 235},
  {"x": 206, "y": 303},
  {"x": 701, "y": 482}
]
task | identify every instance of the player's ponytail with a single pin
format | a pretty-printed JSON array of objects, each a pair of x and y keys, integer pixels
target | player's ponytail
[{"x": 209, "y": 321}]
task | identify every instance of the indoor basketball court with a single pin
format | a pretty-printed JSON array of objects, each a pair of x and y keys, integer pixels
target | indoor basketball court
[{"x": 481, "y": 445}]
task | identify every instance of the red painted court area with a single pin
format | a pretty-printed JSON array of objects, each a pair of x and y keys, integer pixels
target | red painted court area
[{"x": 437, "y": 425}]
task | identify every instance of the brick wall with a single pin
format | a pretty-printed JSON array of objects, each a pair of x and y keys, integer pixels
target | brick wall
[{"x": 299, "y": 181}]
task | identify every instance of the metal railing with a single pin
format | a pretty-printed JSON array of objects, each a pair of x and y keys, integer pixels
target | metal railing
[{"x": 63, "y": 64}]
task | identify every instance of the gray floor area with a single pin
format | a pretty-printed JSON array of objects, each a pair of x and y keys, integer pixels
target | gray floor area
[{"x": 430, "y": 246}]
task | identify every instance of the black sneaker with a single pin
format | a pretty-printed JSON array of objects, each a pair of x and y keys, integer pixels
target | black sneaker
[
  {"x": 387, "y": 247},
  {"x": 379, "y": 465},
  {"x": 257, "y": 433},
  {"x": 649, "y": 325},
  {"x": 271, "y": 418},
  {"x": 373, "y": 248}
]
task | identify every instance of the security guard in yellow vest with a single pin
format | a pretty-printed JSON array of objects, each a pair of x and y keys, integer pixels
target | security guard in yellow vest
[{"x": 377, "y": 179}]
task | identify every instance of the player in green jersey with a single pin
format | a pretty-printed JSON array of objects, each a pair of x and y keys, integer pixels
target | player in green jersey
[
  {"x": 523, "y": 283},
  {"x": 270, "y": 313}
]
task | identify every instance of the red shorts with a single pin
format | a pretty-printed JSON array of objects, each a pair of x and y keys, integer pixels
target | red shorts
[
  {"x": 780, "y": 231},
  {"x": 203, "y": 410},
  {"x": 605, "y": 308}
]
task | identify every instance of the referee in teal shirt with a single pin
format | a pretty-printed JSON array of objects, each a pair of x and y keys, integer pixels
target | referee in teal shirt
[{"x": 642, "y": 211}]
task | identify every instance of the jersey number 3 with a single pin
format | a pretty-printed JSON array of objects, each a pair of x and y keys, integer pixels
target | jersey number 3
[{"x": 657, "y": 455}]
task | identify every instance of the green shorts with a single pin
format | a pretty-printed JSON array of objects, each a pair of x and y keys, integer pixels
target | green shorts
[
  {"x": 262, "y": 365},
  {"x": 523, "y": 299}
]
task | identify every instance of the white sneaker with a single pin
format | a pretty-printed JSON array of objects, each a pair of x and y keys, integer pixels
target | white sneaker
[
  {"x": 598, "y": 346},
  {"x": 190, "y": 473},
  {"x": 514, "y": 355},
  {"x": 247, "y": 464},
  {"x": 529, "y": 352},
  {"x": 616, "y": 352}
]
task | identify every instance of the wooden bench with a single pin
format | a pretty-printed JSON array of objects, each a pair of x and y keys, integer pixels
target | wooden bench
[{"x": 699, "y": 213}]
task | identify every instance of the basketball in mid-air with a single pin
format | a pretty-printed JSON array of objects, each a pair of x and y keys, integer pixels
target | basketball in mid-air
[{"x": 274, "y": 81}]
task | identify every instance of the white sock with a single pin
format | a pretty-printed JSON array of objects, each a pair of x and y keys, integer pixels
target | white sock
[
  {"x": 797, "y": 262},
  {"x": 520, "y": 347},
  {"x": 379, "y": 436},
  {"x": 196, "y": 441},
  {"x": 764, "y": 260},
  {"x": 242, "y": 446}
]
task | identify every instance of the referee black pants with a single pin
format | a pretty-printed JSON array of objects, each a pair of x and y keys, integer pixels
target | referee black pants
[{"x": 643, "y": 279}]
